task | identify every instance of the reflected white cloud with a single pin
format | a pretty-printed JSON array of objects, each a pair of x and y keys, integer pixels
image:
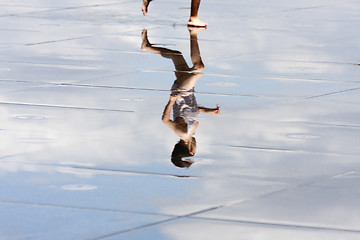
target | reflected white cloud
[{"x": 78, "y": 187}]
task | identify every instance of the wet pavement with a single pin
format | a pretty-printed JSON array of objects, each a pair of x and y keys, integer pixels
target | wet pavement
[{"x": 85, "y": 154}]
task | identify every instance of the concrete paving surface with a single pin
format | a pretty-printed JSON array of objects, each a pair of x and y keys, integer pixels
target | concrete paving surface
[{"x": 84, "y": 153}]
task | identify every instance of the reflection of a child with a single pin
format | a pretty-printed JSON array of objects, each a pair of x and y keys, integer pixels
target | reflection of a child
[{"x": 182, "y": 99}]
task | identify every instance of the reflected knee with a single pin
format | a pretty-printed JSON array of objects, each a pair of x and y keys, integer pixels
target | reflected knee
[{"x": 199, "y": 66}]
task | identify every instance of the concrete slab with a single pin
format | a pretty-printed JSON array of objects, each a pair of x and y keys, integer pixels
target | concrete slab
[{"x": 84, "y": 153}]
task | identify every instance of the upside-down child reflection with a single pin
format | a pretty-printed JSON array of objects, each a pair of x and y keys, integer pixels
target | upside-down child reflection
[{"x": 182, "y": 99}]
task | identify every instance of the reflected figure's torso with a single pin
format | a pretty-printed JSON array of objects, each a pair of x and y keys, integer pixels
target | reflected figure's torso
[{"x": 185, "y": 110}]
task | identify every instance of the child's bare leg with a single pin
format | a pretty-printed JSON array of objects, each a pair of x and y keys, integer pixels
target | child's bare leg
[
  {"x": 144, "y": 8},
  {"x": 145, "y": 42},
  {"x": 198, "y": 65},
  {"x": 189, "y": 80},
  {"x": 194, "y": 21},
  {"x": 176, "y": 56}
]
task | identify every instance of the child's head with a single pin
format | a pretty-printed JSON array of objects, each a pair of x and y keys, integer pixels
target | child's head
[{"x": 181, "y": 150}]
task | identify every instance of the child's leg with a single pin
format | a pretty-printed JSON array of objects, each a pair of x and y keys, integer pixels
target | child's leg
[
  {"x": 176, "y": 56},
  {"x": 198, "y": 65},
  {"x": 194, "y": 21},
  {"x": 188, "y": 80},
  {"x": 145, "y": 6}
]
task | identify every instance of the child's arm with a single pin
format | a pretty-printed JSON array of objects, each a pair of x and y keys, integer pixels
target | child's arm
[
  {"x": 167, "y": 111},
  {"x": 210, "y": 110}
]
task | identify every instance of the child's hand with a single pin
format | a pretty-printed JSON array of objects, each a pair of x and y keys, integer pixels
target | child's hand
[
  {"x": 216, "y": 110},
  {"x": 213, "y": 110},
  {"x": 173, "y": 97}
]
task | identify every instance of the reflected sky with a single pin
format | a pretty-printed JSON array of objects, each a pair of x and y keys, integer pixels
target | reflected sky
[{"x": 82, "y": 138}]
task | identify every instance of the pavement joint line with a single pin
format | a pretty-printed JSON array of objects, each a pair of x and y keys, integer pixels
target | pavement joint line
[
  {"x": 63, "y": 9},
  {"x": 332, "y": 93},
  {"x": 295, "y": 100},
  {"x": 154, "y": 89},
  {"x": 132, "y": 172},
  {"x": 281, "y": 225},
  {"x": 36, "y": 204},
  {"x": 327, "y": 124},
  {"x": 65, "y": 107},
  {"x": 137, "y": 88},
  {"x": 108, "y": 170},
  {"x": 276, "y": 77},
  {"x": 314, "y": 61},
  {"x": 59, "y": 40},
  {"x": 115, "y": 171},
  {"x": 18, "y": 30},
  {"x": 301, "y": 99},
  {"x": 290, "y": 150},
  {"x": 49, "y": 64}
]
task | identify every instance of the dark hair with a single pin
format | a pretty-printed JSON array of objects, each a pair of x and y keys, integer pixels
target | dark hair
[{"x": 180, "y": 151}]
